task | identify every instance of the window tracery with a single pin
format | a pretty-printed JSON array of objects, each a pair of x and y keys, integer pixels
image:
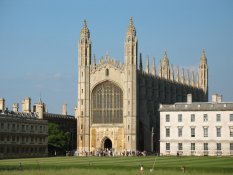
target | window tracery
[{"x": 107, "y": 103}]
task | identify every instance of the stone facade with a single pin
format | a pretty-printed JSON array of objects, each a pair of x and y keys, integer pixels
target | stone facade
[
  {"x": 22, "y": 135},
  {"x": 197, "y": 128},
  {"x": 118, "y": 102}
]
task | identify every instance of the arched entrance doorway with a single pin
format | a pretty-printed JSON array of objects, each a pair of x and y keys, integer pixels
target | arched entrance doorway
[{"x": 107, "y": 143}]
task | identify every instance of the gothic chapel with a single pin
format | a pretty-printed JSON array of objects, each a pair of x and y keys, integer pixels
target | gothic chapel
[{"x": 118, "y": 102}]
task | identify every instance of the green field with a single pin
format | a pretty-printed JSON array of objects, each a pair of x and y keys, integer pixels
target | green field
[{"x": 117, "y": 165}]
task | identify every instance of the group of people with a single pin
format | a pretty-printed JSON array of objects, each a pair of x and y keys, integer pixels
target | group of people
[{"x": 111, "y": 153}]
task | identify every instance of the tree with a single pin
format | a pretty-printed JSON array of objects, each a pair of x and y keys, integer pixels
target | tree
[{"x": 57, "y": 139}]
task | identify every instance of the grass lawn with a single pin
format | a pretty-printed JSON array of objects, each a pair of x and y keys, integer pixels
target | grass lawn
[{"x": 117, "y": 165}]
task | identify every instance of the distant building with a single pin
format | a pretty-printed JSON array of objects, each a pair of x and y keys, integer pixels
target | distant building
[
  {"x": 24, "y": 128},
  {"x": 22, "y": 135},
  {"x": 66, "y": 123},
  {"x": 197, "y": 128}
]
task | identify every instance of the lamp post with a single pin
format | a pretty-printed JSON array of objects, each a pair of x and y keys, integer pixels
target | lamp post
[{"x": 152, "y": 139}]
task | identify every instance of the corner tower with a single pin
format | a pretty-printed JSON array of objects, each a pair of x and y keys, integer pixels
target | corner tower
[
  {"x": 82, "y": 112},
  {"x": 203, "y": 75},
  {"x": 130, "y": 83}
]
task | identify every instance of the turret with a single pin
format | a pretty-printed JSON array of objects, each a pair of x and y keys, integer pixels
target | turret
[
  {"x": 2, "y": 104},
  {"x": 130, "y": 96},
  {"x": 82, "y": 112},
  {"x": 64, "y": 110},
  {"x": 203, "y": 75},
  {"x": 131, "y": 44},
  {"x": 84, "y": 46},
  {"x": 26, "y": 105},
  {"x": 15, "y": 107},
  {"x": 165, "y": 67},
  {"x": 39, "y": 109}
]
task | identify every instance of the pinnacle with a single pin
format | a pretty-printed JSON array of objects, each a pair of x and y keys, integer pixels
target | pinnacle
[
  {"x": 131, "y": 28},
  {"x": 203, "y": 56},
  {"x": 85, "y": 30},
  {"x": 84, "y": 23},
  {"x": 131, "y": 21}
]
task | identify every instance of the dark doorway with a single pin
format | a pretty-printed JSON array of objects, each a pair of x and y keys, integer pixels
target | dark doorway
[{"x": 108, "y": 143}]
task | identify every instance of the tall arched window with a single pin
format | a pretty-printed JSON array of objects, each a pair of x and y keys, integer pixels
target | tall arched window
[{"x": 107, "y": 103}]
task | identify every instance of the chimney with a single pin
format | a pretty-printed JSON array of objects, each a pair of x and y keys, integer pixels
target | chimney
[
  {"x": 15, "y": 107},
  {"x": 26, "y": 105},
  {"x": 216, "y": 98},
  {"x": 219, "y": 98},
  {"x": 64, "y": 111},
  {"x": 189, "y": 98},
  {"x": 2, "y": 104}
]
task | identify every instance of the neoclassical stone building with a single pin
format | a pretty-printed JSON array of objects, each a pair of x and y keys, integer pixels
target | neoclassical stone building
[
  {"x": 118, "y": 103},
  {"x": 197, "y": 128}
]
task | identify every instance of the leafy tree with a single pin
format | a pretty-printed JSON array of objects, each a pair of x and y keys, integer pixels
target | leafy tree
[{"x": 57, "y": 138}]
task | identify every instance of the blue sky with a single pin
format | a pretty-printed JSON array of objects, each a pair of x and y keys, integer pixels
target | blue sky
[{"x": 38, "y": 42}]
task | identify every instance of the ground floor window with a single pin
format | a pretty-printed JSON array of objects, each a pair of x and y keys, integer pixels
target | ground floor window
[
  {"x": 180, "y": 146},
  {"x": 231, "y": 146},
  {"x": 192, "y": 146},
  {"x": 167, "y": 146},
  {"x": 205, "y": 146},
  {"x": 219, "y": 147}
]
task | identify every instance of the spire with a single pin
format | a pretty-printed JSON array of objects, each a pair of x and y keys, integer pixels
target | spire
[
  {"x": 107, "y": 55},
  {"x": 187, "y": 77},
  {"x": 203, "y": 57},
  {"x": 85, "y": 31},
  {"x": 140, "y": 64},
  {"x": 84, "y": 52},
  {"x": 203, "y": 75},
  {"x": 153, "y": 67},
  {"x": 40, "y": 101},
  {"x": 160, "y": 69},
  {"x": 165, "y": 54},
  {"x": 165, "y": 67},
  {"x": 131, "y": 50},
  {"x": 165, "y": 60},
  {"x": 131, "y": 28},
  {"x": 177, "y": 74},
  {"x": 197, "y": 82},
  {"x": 147, "y": 65},
  {"x": 165, "y": 57},
  {"x": 193, "y": 78},
  {"x": 182, "y": 76},
  {"x": 172, "y": 73}
]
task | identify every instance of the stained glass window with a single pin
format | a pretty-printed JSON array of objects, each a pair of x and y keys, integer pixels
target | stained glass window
[{"x": 107, "y": 103}]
